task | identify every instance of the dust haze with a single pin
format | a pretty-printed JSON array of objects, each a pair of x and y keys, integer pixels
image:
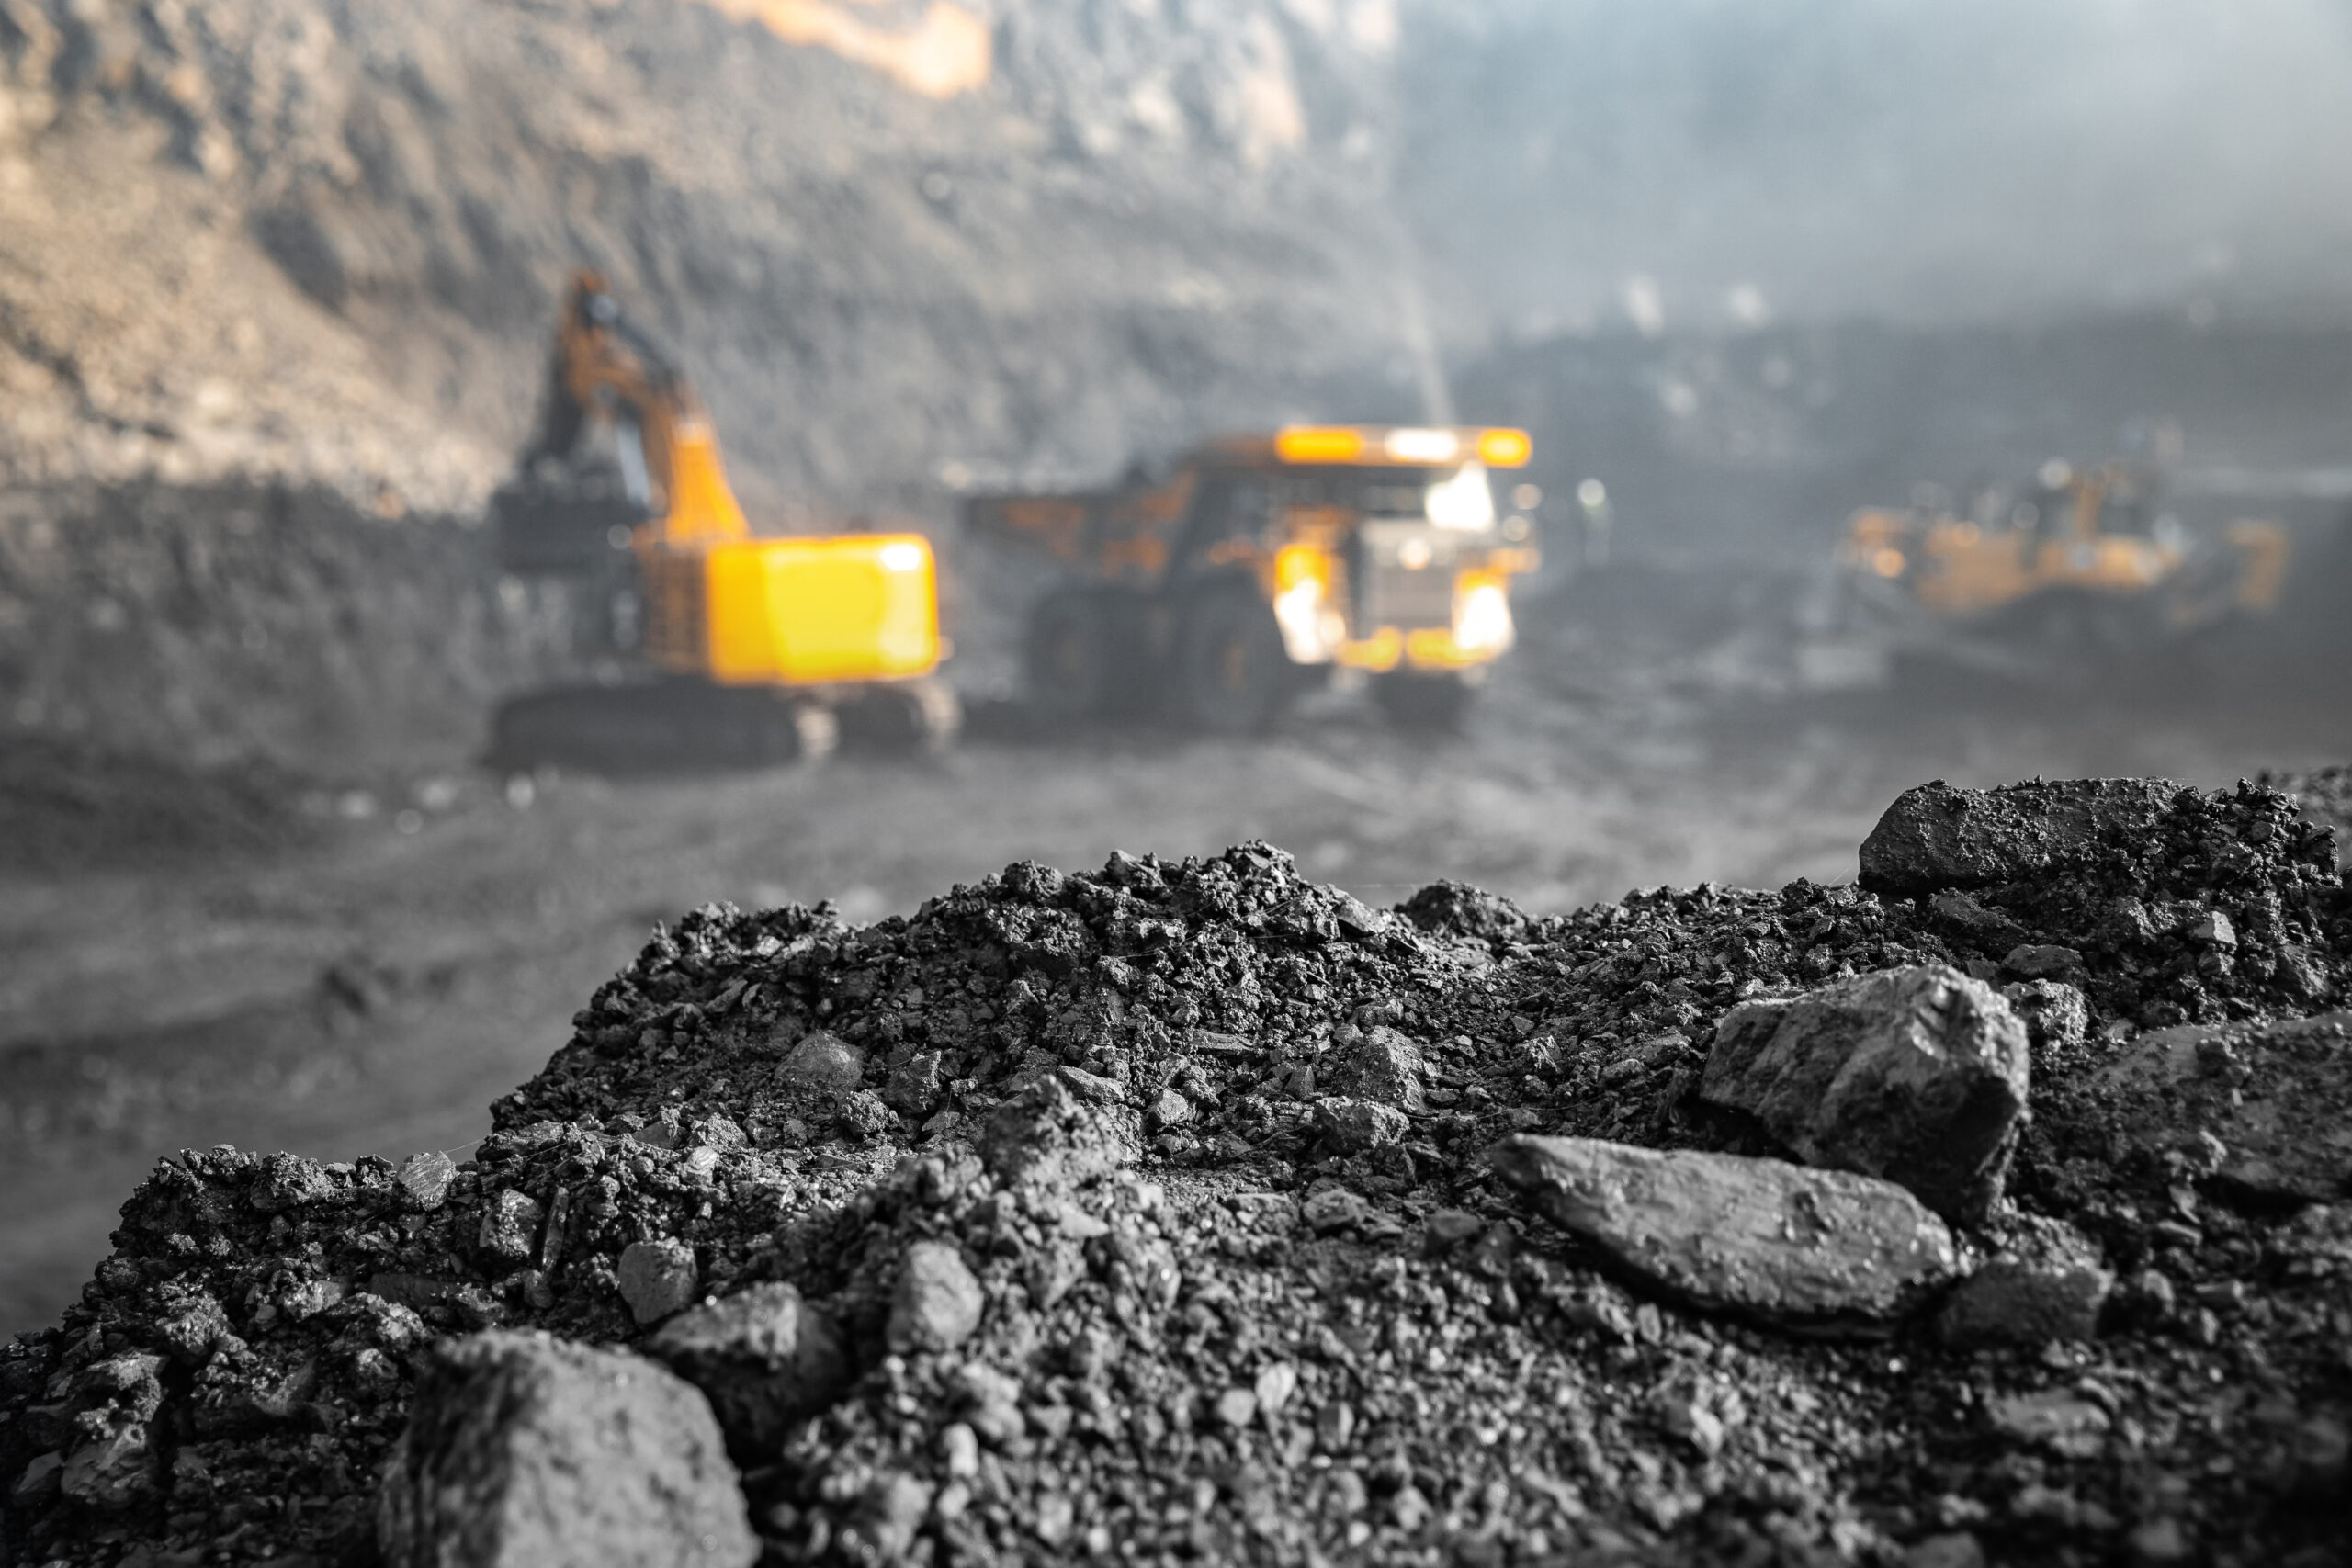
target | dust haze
[
  {"x": 1834, "y": 160},
  {"x": 278, "y": 285}
]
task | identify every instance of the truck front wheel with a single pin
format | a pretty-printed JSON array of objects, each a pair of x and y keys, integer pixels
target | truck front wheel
[
  {"x": 1069, "y": 654},
  {"x": 1232, "y": 676},
  {"x": 1412, "y": 700}
]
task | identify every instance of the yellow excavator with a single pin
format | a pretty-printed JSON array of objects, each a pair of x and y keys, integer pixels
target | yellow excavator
[
  {"x": 2083, "y": 567},
  {"x": 729, "y": 648}
]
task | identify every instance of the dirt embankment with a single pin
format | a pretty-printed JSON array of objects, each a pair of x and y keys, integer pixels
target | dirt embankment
[
  {"x": 1192, "y": 1205},
  {"x": 196, "y": 675}
]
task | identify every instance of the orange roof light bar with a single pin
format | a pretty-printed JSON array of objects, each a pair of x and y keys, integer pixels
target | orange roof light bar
[
  {"x": 1410, "y": 446},
  {"x": 1318, "y": 444}
]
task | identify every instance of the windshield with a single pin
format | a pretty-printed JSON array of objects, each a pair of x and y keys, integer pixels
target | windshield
[{"x": 1455, "y": 497}]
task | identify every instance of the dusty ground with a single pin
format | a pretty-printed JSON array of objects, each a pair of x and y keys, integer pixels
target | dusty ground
[{"x": 371, "y": 985}]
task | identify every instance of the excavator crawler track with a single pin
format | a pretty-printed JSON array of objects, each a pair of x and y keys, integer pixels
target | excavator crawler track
[{"x": 665, "y": 727}]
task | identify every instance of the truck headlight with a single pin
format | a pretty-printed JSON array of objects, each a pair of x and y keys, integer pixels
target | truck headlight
[
  {"x": 1482, "y": 621},
  {"x": 1302, "y": 583}
]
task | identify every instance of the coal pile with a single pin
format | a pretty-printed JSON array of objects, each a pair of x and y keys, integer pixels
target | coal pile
[{"x": 1994, "y": 1209}]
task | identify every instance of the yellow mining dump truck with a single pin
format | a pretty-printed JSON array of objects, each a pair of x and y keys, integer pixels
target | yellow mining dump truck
[
  {"x": 734, "y": 648},
  {"x": 2085, "y": 566},
  {"x": 1261, "y": 563}
]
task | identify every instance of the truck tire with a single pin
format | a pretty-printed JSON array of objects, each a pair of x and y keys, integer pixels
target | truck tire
[
  {"x": 1231, "y": 675},
  {"x": 1432, "y": 703},
  {"x": 1087, "y": 654}
]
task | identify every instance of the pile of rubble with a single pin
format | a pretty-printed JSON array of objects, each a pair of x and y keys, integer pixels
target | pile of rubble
[{"x": 1994, "y": 1208}]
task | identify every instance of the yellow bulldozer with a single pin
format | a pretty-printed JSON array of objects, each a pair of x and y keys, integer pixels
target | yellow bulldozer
[
  {"x": 1258, "y": 564},
  {"x": 2083, "y": 569},
  {"x": 733, "y": 649}
]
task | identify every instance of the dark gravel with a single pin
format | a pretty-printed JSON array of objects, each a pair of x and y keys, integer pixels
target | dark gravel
[{"x": 1143, "y": 1214}]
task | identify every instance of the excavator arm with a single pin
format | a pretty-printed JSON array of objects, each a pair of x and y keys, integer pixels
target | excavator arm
[{"x": 602, "y": 367}]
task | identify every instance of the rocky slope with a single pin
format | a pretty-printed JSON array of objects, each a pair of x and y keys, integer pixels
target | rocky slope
[
  {"x": 1194, "y": 1210},
  {"x": 334, "y": 234}
]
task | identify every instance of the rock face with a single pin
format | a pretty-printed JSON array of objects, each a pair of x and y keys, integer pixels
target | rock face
[
  {"x": 1918, "y": 1075},
  {"x": 525, "y": 1449},
  {"x": 1936, "y": 837},
  {"x": 763, "y": 1358},
  {"x": 2277, "y": 1098},
  {"x": 2045, "y": 1283},
  {"x": 1773, "y": 1241}
]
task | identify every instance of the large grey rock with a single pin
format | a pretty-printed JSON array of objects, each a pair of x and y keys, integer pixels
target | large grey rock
[
  {"x": 763, "y": 1358},
  {"x": 522, "y": 1448},
  {"x": 1379, "y": 1064},
  {"x": 1918, "y": 1075},
  {"x": 938, "y": 1302},
  {"x": 1936, "y": 837},
  {"x": 2044, "y": 1282},
  {"x": 1801, "y": 1248},
  {"x": 2277, "y": 1097}
]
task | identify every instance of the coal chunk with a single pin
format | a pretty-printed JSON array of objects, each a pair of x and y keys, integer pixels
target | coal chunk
[
  {"x": 424, "y": 1178},
  {"x": 1047, "y": 1134},
  {"x": 763, "y": 1358},
  {"x": 526, "y": 1448},
  {"x": 938, "y": 1302},
  {"x": 1918, "y": 1075},
  {"x": 1938, "y": 837},
  {"x": 1357, "y": 1125},
  {"x": 2277, "y": 1099},
  {"x": 2044, "y": 1284},
  {"x": 1379, "y": 1064},
  {"x": 657, "y": 1278},
  {"x": 823, "y": 1061},
  {"x": 1788, "y": 1246}
]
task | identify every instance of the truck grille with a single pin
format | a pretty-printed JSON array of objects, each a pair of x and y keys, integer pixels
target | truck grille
[{"x": 1393, "y": 593}]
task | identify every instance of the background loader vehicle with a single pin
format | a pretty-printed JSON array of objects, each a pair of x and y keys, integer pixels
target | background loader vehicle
[
  {"x": 1264, "y": 563},
  {"x": 741, "y": 649},
  {"x": 2082, "y": 570}
]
